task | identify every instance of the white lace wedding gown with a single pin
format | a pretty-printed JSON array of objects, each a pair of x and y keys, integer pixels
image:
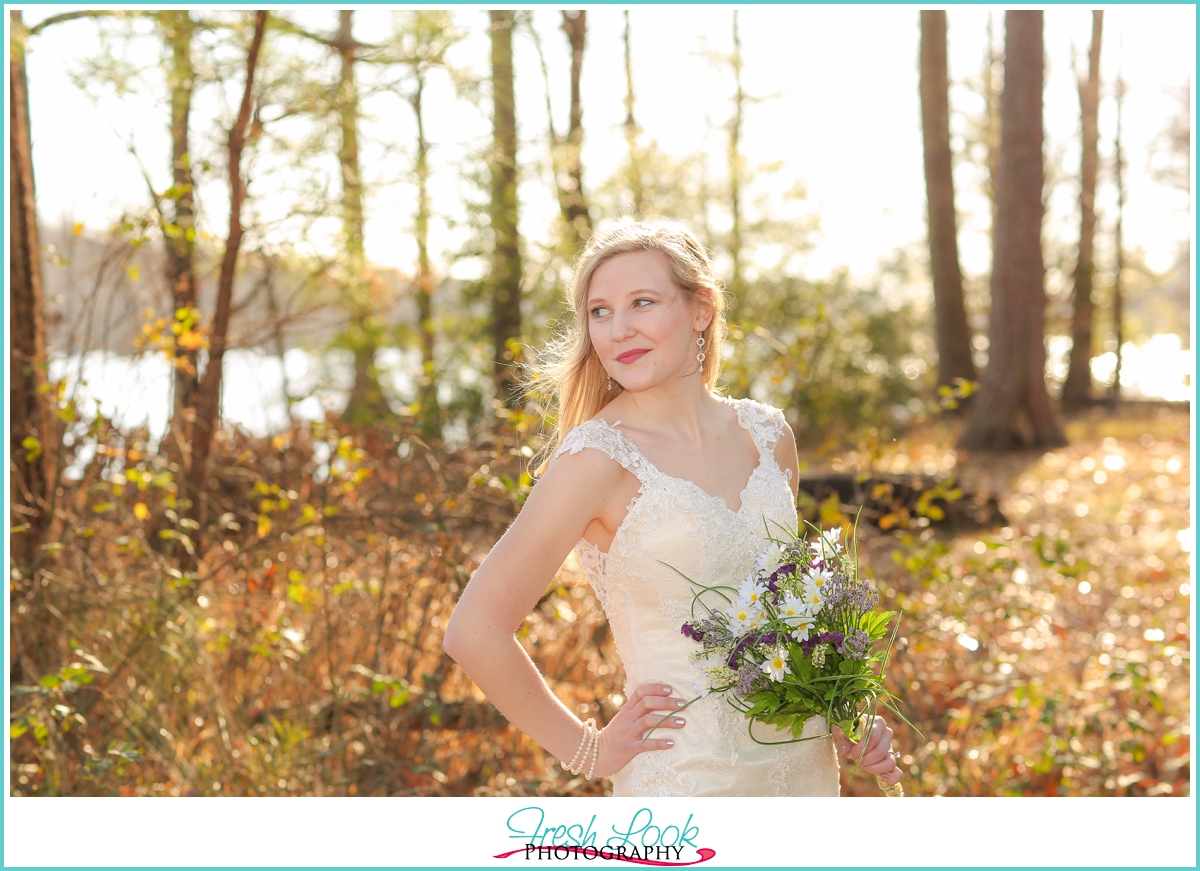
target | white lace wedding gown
[{"x": 673, "y": 521}]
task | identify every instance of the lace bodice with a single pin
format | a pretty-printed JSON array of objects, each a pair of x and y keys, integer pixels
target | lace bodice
[{"x": 673, "y": 527}]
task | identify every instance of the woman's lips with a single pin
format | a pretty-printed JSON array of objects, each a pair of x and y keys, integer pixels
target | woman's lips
[{"x": 631, "y": 356}]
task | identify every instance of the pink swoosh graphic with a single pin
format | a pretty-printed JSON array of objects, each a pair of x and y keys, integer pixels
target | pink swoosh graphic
[{"x": 705, "y": 855}]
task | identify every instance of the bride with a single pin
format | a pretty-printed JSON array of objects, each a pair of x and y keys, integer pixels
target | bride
[{"x": 648, "y": 472}]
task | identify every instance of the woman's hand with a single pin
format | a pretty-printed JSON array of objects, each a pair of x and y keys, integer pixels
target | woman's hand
[
  {"x": 874, "y": 755},
  {"x": 622, "y": 738}
]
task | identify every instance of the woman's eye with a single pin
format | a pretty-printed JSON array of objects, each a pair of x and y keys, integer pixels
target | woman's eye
[
  {"x": 599, "y": 311},
  {"x": 638, "y": 302}
]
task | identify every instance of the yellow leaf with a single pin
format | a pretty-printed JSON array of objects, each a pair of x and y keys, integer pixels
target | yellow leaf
[
  {"x": 888, "y": 521},
  {"x": 264, "y": 525},
  {"x": 190, "y": 340},
  {"x": 140, "y": 511},
  {"x": 133, "y": 272},
  {"x": 33, "y": 448},
  {"x": 78, "y": 228}
]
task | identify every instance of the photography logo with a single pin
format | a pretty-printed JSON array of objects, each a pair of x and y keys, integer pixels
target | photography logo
[{"x": 641, "y": 842}]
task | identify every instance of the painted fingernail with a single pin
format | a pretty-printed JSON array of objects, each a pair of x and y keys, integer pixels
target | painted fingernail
[
  {"x": 670, "y": 743},
  {"x": 679, "y": 721},
  {"x": 666, "y": 690},
  {"x": 679, "y": 703}
]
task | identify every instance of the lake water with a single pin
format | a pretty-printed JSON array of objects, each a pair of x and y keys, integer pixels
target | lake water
[{"x": 135, "y": 391}]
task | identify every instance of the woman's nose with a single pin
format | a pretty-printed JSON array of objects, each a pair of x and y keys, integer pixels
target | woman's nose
[{"x": 622, "y": 326}]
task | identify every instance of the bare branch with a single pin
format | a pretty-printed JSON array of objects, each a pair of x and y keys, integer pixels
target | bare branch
[{"x": 71, "y": 16}]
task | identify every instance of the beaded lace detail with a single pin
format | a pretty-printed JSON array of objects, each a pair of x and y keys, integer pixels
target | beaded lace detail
[{"x": 673, "y": 526}]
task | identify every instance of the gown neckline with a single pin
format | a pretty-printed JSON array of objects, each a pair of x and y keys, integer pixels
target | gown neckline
[{"x": 632, "y": 445}]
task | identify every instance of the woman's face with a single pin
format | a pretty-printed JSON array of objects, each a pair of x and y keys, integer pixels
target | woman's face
[{"x": 640, "y": 322}]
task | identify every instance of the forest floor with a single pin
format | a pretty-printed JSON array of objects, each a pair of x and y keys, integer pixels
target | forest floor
[
  {"x": 1052, "y": 656},
  {"x": 301, "y": 653}
]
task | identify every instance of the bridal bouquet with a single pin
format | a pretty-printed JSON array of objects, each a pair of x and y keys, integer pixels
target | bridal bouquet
[{"x": 799, "y": 637}]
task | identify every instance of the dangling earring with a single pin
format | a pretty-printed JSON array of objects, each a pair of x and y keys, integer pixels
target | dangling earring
[
  {"x": 610, "y": 383},
  {"x": 700, "y": 343}
]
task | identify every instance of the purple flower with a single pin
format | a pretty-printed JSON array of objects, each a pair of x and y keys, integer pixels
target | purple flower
[
  {"x": 748, "y": 677},
  {"x": 786, "y": 569},
  {"x": 735, "y": 654},
  {"x": 834, "y": 638},
  {"x": 856, "y": 644},
  {"x": 794, "y": 550},
  {"x": 692, "y": 632},
  {"x": 847, "y": 600}
]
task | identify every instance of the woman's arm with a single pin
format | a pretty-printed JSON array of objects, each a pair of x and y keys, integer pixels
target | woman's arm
[{"x": 480, "y": 635}]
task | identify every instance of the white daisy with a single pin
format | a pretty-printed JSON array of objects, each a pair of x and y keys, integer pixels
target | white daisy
[
  {"x": 803, "y": 625},
  {"x": 750, "y": 592},
  {"x": 792, "y": 607},
  {"x": 818, "y": 578},
  {"x": 770, "y": 559},
  {"x": 776, "y": 665},
  {"x": 746, "y": 616},
  {"x": 815, "y": 597},
  {"x": 831, "y": 543}
]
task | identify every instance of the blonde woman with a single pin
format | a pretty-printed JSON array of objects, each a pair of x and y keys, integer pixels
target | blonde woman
[{"x": 647, "y": 466}]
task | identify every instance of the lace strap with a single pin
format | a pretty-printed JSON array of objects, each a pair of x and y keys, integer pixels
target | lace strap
[
  {"x": 603, "y": 436},
  {"x": 764, "y": 422}
]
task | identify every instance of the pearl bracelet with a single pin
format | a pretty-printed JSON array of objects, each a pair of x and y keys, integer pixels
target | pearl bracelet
[
  {"x": 595, "y": 752},
  {"x": 588, "y": 746}
]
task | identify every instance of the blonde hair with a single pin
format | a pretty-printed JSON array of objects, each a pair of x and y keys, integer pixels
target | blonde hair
[{"x": 568, "y": 378}]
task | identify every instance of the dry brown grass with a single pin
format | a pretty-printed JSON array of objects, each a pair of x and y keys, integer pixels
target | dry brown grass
[{"x": 302, "y": 653}]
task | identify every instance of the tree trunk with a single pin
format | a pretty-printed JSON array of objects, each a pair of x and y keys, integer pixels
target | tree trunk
[
  {"x": 950, "y": 314},
  {"x": 366, "y": 403},
  {"x": 177, "y": 31},
  {"x": 209, "y": 400},
  {"x": 506, "y": 254},
  {"x": 736, "y": 167},
  {"x": 31, "y": 479},
  {"x": 1077, "y": 388},
  {"x": 991, "y": 98},
  {"x": 277, "y": 333},
  {"x": 430, "y": 412},
  {"x": 576, "y": 214},
  {"x": 631, "y": 132},
  {"x": 1118, "y": 313},
  {"x": 1014, "y": 409}
]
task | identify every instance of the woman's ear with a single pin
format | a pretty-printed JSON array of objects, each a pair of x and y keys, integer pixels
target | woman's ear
[{"x": 705, "y": 312}]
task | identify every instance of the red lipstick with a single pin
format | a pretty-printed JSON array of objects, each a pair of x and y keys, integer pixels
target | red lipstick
[{"x": 631, "y": 356}]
